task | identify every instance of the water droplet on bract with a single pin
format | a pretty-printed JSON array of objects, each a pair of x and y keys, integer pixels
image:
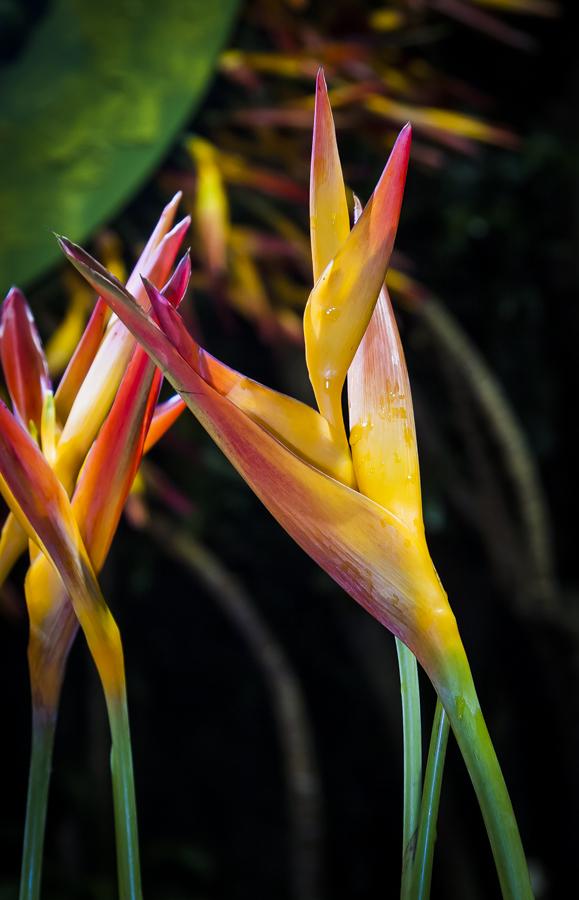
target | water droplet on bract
[
  {"x": 355, "y": 435},
  {"x": 333, "y": 313},
  {"x": 460, "y": 704}
]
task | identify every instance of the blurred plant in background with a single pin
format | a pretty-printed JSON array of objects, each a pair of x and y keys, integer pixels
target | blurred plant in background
[{"x": 91, "y": 97}]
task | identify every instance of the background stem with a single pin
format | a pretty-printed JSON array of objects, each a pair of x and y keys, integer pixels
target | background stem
[
  {"x": 412, "y": 739},
  {"x": 422, "y": 868},
  {"x": 43, "y": 726},
  {"x": 126, "y": 832}
]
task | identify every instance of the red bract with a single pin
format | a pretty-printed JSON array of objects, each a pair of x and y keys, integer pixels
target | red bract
[{"x": 23, "y": 360}]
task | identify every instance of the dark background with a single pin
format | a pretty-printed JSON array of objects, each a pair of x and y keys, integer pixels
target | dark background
[{"x": 494, "y": 236}]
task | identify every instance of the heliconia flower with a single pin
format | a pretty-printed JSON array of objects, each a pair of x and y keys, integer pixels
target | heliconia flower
[
  {"x": 286, "y": 451},
  {"x": 294, "y": 457},
  {"x": 97, "y": 503},
  {"x": 90, "y": 382},
  {"x": 69, "y": 540},
  {"x": 41, "y": 505},
  {"x": 356, "y": 511}
]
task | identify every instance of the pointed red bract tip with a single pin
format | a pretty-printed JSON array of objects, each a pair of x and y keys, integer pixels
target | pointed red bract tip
[
  {"x": 22, "y": 357},
  {"x": 158, "y": 302},
  {"x": 172, "y": 325},
  {"x": 178, "y": 231},
  {"x": 388, "y": 193},
  {"x": 403, "y": 141},
  {"x": 175, "y": 289},
  {"x": 406, "y": 135},
  {"x": 14, "y": 294},
  {"x": 321, "y": 85},
  {"x": 401, "y": 149}
]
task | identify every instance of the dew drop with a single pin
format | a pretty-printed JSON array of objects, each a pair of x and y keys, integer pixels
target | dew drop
[{"x": 355, "y": 435}]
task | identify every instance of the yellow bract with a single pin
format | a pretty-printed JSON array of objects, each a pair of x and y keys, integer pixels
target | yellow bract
[
  {"x": 382, "y": 432},
  {"x": 329, "y": 219}
]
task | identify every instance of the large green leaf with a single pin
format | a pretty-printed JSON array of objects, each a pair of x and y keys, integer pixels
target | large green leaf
[{"x": 88, "y": 109}]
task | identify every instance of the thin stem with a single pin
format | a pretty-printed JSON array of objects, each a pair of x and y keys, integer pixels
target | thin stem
[
  {"x": 126, "y": 833},
  {"x": 412, "y": 738},
  {"x": 455, "y": 687},
  {"x": 43, "y": 726},
  {"x": 422, "y": 869}
]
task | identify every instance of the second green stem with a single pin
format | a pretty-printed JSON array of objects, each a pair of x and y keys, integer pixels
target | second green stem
[
  {"x": 424, "y": 855},
  {"x": 412, "y": 737}
]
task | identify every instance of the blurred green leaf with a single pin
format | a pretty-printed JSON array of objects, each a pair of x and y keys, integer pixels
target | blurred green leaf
[{"x": 87, "y": 110}]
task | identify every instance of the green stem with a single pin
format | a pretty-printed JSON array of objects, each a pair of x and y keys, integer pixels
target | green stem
[
  {"x": 128, "y": 866},
  {"x": 43, "y": 726},
  {"x": 412, "y": 737},
  {"x": 422, "y": 869},
  {"x": 455, "y": 687}
]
